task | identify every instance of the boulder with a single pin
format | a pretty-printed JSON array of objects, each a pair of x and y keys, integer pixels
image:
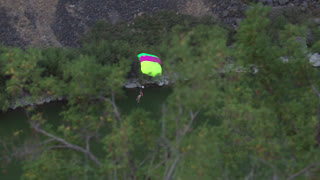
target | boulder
[
  {"x": 305, "y": 4},
  {"x": 309, "y": 36},
  {"x": 164, "y": 81},
  {"x": 225, "y": 13},
  {"x": 315, "y": 59},
  {"x": 269, "y": 2},
  {"x": 283, "y": 2},
  {"x": 161, "y": 83},
  {"x": 130, "y": 85},
  {"x": 284, "y": 59}
]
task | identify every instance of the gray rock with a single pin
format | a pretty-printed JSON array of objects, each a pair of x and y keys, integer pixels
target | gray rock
[
  {"x": 305, "y": 4},
  {"x": 317, "y": 21},
  {"x": 26, "y": 101},
  {"x": 238, "y": 21},
  {"x": 303, "y": 42},
  {"x": 130, "y": 85},
  {"x": 270, "y": 3},
  {"x": 275, "y": 2},
  {"x": 225, "y": 13},
  {"x": 284, "y": 59},
  {"x": 315, "y": 59},
  {"x": 309, "y": 36},
  {"x": 283, "y": 2},
  {"x": 114, "y": 16},
  {"x": 161, "y": 83}
]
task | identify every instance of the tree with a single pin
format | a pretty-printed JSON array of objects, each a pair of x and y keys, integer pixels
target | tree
[
  {"x": 282, "y": 87},
  {"x": 216, "y": 124}
]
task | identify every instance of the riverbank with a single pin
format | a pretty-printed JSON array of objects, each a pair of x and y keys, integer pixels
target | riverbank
[{"x": 131, "y": 83}]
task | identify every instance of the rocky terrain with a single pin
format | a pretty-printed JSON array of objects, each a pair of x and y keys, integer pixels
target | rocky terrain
[{"x": 42, "y": 23}]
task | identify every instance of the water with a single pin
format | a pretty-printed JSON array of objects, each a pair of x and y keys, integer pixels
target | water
[{"x": 15, "y": 120}]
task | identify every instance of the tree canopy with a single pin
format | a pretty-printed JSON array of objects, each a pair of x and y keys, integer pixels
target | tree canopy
[{"x": 218, "y": 122}]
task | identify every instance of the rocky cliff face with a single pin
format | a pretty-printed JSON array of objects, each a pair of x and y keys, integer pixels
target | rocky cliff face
[{"x": 44, "y": 23}]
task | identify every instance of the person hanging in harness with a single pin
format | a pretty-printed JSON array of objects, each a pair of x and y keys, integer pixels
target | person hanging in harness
[{"x": 140, "y": 95}]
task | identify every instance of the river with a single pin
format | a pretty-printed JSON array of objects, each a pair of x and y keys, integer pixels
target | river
[{"x": 15, "y": 120}]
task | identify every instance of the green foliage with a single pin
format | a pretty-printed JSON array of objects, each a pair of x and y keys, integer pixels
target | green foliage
[
  {"x": 22, "y": 69},
  {"x": 316, "y": 47},
  {"x": 216, "y": 124},
  {"x": 252, "y": 38},
  {"x": 286, "y": 91},
  {"x": 315, "y": 31},
  {"x": 145, "y": 30},
  {"x": 53, "y": 60},
  {"x": 109, "y": 43},
  {"x": 145, "y": 130},
  {"x": 55, "y": 165},
  {"x": 108, "y": 52}
]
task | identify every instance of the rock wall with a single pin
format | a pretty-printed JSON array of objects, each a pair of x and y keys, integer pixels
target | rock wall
[
  {"x": 43, "y": 23},
  {"x": 303, "y": 3},
  {"x": 8, "y": 34},
  {"x": 31, "y": 20},
  {"x": 57, "y": 23}
]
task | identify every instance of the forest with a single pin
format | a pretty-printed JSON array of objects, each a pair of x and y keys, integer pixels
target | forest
[{"x": 244, "y": 104}]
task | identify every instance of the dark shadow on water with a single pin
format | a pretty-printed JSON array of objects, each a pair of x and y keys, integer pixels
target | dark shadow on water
[
  {"x": 15, "y": 120},
  {"x": 151, "y": 101}
]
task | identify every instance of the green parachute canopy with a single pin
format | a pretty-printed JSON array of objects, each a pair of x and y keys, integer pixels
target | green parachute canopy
[{"x": 150, "y": 64}]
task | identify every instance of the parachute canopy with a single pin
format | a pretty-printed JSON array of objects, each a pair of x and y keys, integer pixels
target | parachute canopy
[{"x": 150, "y": 64}]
